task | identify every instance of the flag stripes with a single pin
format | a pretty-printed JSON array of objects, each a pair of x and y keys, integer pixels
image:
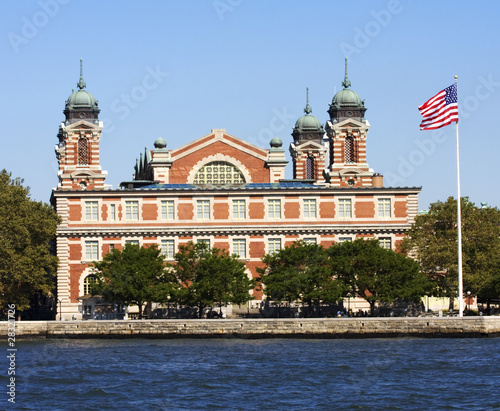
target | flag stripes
[{"x": 440, "y": 110}]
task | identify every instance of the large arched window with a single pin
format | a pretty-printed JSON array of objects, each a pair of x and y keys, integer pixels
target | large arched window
[
  {"x": 349, "y": 150},
  {"x": 87, "y": 283},
  {"x": 218, "y": 173}
]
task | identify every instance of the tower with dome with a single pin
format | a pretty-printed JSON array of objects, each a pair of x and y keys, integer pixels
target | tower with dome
[
  {"x": 347, "y": 130},
  {"x": 307, "y": 149},
  {"x": 79, "y": 136}
]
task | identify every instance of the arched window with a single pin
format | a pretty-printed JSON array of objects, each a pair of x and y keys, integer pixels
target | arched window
[
  {"x": 349, "y": 149},
  {"x": 83, "y": 152},
  {"x": 219, "y": 173},
  {"x": 310, "y": 168},
  {"x": 87, "y": 283}
]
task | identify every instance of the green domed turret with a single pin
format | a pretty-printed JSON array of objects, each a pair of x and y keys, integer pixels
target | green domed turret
[
  {"x": 346, "y": 103},
  {"x": 276, "y": 143},
  {"x": 81, "y": 105},
  {"x": 308, "y": 122},
  {"x": 81, "y": 98},
  {"x": 160, "y": 143},
  {"x": 307, "y": 127},
  {"x": 346, "y": 98}
]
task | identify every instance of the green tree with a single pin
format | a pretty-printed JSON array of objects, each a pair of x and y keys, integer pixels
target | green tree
[
  {"x": 300, "y": 272},
  {"x": 210, "y": 277},
  {"x": 27, "y": 227},
  {"x": 481, "y": 251},
  {"x": 433, "y": 240},
  {"x": 134, "y": 275},
  {"x": 377, "y": 274}
]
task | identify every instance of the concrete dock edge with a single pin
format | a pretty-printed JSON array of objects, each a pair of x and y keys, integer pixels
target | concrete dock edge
[{"x": 262, "y": 328}]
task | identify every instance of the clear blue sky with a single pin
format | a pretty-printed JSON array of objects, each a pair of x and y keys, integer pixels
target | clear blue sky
[{"x": 244, "y": 65}]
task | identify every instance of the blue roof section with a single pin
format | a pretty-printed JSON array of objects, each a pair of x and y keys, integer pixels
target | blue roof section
[
  {"x": 282, "y": 185},
  {"x": 291, "y": 184},
  {"x": 170, "y": 186}
]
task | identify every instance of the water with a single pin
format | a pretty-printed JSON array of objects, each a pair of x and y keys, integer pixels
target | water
[{"x": 270, "y": 374}]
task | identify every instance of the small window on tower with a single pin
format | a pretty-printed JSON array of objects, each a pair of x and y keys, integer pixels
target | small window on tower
[
  {"x": 349, "y": 149},
  {"x": 83, "y": 152},
  {"x": 310, "y": 168}
]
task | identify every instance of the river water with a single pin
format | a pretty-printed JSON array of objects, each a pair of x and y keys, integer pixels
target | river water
[{"x": 270, "y": 374}]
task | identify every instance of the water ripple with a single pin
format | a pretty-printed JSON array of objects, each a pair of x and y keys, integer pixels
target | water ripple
[{"x": 277, "y": 374}]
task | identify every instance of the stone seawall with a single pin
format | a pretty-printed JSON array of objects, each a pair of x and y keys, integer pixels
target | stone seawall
[{"x": 262, "y": 328}]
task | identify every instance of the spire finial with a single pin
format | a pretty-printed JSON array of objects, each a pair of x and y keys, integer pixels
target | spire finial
[
  {"x": 308, "y": 108},
  {"x": 81, "y": 84},
  {"x": 346, "y": 83}
]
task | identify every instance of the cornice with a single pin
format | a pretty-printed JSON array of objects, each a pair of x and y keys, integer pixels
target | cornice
[
  {"x": 156, "y": 192},
  {"x": 231, "y": 230}
]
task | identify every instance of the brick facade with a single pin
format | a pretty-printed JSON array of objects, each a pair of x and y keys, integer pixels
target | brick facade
[{"x": 262, "y": 208}]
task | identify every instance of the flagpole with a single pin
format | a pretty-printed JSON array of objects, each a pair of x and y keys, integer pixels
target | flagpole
[{"x": 459, "y": 221}]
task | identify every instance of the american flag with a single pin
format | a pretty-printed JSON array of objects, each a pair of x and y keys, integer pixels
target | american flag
[{"x": 440, "y": 110}]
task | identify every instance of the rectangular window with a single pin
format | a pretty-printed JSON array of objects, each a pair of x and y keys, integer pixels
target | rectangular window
[
  {"x": 205, "y": 241},
  {"x": 239, "y": 209},
  {"x": 274, "y": 208},
  {"x": 385, "y": 242},
  {"x": 112, "y": 212},
  {"x": 91, "y": 250},
  {"x": 132, "y": 210},
  {"x": 309, "y": 241},
  {"x": 342, "y": 239},
  {"x": 91, "y": 210},
  {"x": 309, "y": 208},
  {"x": 384, "y": 207},
  {"x": 203, "y": 209},
  {"x": 274, "y": 245},
  {"x": 345, "y": 208},
  {"x": 239, "y": 247},
  {"x": 168, "y": 249},
  {"x": 167, "y": 209}
]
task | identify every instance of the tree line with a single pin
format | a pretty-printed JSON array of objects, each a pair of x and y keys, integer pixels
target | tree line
[
  {"x": 309, "y": 274},
  {"x": 27, "y": 231},
  {"x": 312, "y": 275},
  {"x": 200, "y": 277},
  {"x": 433, "y": 242}
]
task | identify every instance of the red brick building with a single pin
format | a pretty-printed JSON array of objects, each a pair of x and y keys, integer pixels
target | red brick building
[{"x": 222, "y": 190}]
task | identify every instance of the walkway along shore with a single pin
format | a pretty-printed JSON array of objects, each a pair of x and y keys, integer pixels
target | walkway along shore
[{"x": 262, "y": 328}]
